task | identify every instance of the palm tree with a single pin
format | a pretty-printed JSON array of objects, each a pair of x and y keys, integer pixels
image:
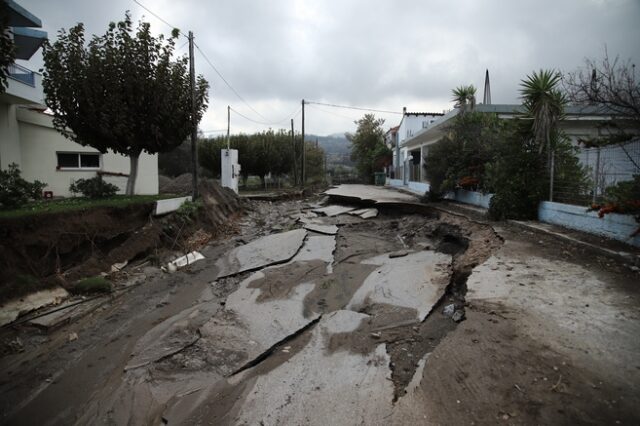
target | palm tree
[
  {"x": 464, "y": 96},
  {"x": 544, "y": 104}
]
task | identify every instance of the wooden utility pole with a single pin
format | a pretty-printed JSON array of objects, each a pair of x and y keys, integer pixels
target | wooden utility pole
[
  {"x": 304, "y": 151},
  {"x": 295, "y": 155},
  {"x": 194, "y": 124},
  {"x": 228, "y": 123}
]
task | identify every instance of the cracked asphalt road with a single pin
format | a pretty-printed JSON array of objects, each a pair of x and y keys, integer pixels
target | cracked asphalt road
[{"x": 282, "y": 325}]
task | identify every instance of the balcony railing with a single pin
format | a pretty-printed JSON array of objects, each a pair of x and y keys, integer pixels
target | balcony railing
[{"x": 22, "y": 74}]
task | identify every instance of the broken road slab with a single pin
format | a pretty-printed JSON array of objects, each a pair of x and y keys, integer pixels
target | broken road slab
[
  {"x": 265, "y": 251},
  {"x": 416, "y": 281},
  {"x": 321, "y": 385},
  {"x": 321, "y": 229},
  {"x": 369, "y": 213},
  {"x": 370, "y": 193},
  {"x": 254, "y": 320},
  {"x": 334, "y": 210}
]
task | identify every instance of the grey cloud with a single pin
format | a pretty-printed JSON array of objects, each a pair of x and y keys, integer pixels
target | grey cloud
[{"x": 382, "y": 54}]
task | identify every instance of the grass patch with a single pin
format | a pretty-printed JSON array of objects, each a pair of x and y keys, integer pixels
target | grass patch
[
  {"x": 92, "y": 285},
  {"x": 79, "y": 203}
]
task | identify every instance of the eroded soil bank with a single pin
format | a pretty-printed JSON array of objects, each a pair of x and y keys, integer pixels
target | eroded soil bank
[{"x": 404, "y": 318}]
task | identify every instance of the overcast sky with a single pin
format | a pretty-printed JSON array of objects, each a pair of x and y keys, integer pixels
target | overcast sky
[{"x": 366, "y": 53}]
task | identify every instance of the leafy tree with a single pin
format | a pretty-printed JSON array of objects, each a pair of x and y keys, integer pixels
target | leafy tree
[
  {"x": 7, "y": 47},
  {"x": 367, "y": 146},
  {"x": 465, "y": 97},
  {"x": 459, "y": 158},
  {"x": 177, "y": 161},
  {"x": 122, "y": 91}
]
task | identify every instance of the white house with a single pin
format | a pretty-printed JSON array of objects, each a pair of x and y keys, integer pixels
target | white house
[
  {"x": 27, "y": 135},
  {"x": 579, "y": 123},
  {"x": 406, "y": 163}
]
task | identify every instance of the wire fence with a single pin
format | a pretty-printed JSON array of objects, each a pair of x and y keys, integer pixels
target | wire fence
[{"x": 604, "y": 167}]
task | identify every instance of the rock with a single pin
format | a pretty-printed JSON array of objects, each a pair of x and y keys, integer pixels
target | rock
[
  {"x": 449, "y": 310},
  {"x": 458, "y": 316},
  {"x": 375, "y": 335},
  {"x": 171, "y": 268},
  {"x": 399, "y": 253},
  {"x": 73, "y": 336}
]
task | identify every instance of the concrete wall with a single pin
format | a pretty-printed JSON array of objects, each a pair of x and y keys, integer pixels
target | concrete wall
[
  {"x": 615, "y": 226},
  {"x": 39, "y": 143},
  {"x": 412, "y": 124},
  {"x": 470, "y": 197}
]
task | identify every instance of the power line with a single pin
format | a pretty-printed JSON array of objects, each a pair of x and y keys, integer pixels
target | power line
[
  {"x": 352, "y": 107},
  {"x": 290, "y": 116},
  {"x": 206, "y": 58},
  {"x": 333, "y": 113},
  {"x": 157, "y": 16}
]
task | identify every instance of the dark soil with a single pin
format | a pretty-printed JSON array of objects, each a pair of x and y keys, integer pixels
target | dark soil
[{"x": 41, "y": 251}]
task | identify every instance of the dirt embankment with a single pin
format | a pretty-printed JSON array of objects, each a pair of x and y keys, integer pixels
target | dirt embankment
[{"x": 45, "y": 250}]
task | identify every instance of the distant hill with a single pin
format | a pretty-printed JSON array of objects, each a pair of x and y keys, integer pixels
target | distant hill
[{"x": 336, "y": 147}]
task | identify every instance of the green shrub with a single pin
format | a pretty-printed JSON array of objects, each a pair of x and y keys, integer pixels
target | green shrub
[
  {"x": 95, "y": 187},
  {"x": 188, "y": 211},
  {"x": 92, "y": 285},
  {"x": 15, "y": 191}
]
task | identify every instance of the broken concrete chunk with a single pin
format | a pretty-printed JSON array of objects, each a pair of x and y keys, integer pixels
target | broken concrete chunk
[
  {"x": 321, "y": 229},
  {"x": 399, "y": 253},
  {"x": 334, "y": 210},
  {"x": 369, "y": 213},
  {"x": 458, "y": 315},
  {"x": 185, "y": 260},
  {"x": 265, "y": 251},
  {"x": 449, "y": 310}
]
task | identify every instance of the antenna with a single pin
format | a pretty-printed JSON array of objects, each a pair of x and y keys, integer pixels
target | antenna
[{"x": 487, "y": 90}]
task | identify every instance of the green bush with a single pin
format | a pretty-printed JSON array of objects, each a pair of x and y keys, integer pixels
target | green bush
[
  {"x": 92, "y": 285},
  {"x": 95, "y": 187},
  {"x": 460, "y": 157},
  {"x": 15, "y": 191}
]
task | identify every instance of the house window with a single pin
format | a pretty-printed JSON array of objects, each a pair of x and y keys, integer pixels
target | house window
[
  {"x": 78, "y": 160},
  {"x": 425, "y": 124}
]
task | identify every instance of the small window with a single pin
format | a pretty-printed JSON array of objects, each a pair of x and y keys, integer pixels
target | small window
[
  {"x": 77, "y": 160},
  {"x": 68, "y": 160},
  {"x": 425, "y": 124},
  {"x": 90, "y": 160}
]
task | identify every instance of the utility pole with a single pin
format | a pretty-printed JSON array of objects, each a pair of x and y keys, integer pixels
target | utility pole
[
  {"x": 295, "y": 155},
  {"x": 228, "y": 123},
  {"x": 304, "y": 151},
  {"x": 194, "y": 124}
]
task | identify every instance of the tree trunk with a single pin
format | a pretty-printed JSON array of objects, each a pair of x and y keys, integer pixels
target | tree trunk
[{"x": 133, "y": 174}]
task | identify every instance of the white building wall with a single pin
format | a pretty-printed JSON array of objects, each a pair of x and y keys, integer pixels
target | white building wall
[
  {"x": 412, "y": 124},
  {"x": 9, "y": 136},
  {"x": 39, "y": 143}
]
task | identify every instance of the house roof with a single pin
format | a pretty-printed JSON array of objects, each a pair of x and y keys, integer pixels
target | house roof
[
  {"x": 424, "y": 113},
  {"x": 21, "y": 17},
  {"x": 572, "y": 112}
]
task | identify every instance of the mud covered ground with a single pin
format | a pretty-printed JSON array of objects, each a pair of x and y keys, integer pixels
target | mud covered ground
[{"x": 544, "y": 333}]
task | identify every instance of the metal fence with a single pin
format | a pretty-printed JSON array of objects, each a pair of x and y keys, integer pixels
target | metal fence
[{"x": 604, "y": 167}]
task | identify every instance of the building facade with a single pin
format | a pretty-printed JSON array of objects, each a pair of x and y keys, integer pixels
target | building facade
[{"x": 27, "y": 135}]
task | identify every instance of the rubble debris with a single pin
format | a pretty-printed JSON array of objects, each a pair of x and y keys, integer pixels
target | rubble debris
[
  {"x": 399, "y": 253},
  {"x": 449, "y": 310},
  {"x": 185, "y": 260},
  {"x": 117, "y": 267},
  {"x": 72, "y": 337},
  {"x": 265, "y": 251},
  {"x": 369, "y": 213},
  {"x": 458, "y": 315}
]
